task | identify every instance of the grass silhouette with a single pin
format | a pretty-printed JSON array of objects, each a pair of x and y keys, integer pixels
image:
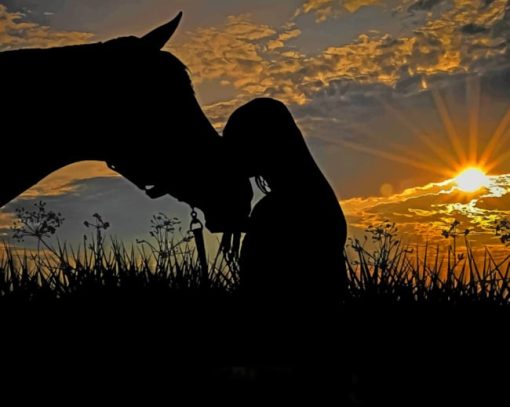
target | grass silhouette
[
  {"x": 165, "y": 262},
  {"x": 381, "y": 267},
  {"x": 417, "y": 325},
  {"x": 400, "y": 273}
]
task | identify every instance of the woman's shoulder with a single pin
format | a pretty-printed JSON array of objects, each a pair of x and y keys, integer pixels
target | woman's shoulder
[
  {"x": 268, "y": 209},
  {"x": 265, "y": 204}
]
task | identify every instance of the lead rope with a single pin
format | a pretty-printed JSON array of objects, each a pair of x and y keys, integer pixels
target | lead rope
[
  {"x": 230, "y": 245},
  {"x": 197, "y": 228}
]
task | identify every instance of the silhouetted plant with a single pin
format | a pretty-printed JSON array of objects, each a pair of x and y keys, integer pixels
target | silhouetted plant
[
  {"x": 162, "y": 231},
  {"x": 99, "y": 226},
  {"x": 502, "y": 230},
  {"x": 375, "y": 263},
  {"x": 39, "y": 224},
  {"x": 383, "y": 269},
  {"x": 384, "y": 237},
  {"x": 453, "y": 233}
]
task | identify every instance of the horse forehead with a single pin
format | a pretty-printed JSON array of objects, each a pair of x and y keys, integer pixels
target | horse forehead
[
  {"x": 134, "y": 44},
  {"x": 127, "y": 49},
  {"x": 123, "y": 43}
]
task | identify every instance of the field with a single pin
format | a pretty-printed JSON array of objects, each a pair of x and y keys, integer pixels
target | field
[{"x": 417, "y": 324}]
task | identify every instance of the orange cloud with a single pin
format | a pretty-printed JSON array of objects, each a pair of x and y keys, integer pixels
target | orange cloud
[
  {"x": 16, "y": 32},
  {"x": 6, "y": 221},
  {"x": 233, "y": 48},
  {"x": 460, "y": 40},
  {"x": 283, "y": 38},
  {"x": 252, "y": 58},
  {"x": 324, "y": 9},
  {"x": 61, "y": 181},
  {"x": 422, "y": 213},
  {"x": 256, "y": 59}
]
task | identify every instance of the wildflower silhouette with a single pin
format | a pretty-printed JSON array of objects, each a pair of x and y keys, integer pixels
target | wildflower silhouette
[
  {"x": 39, "y": 224},
  {"x": 502, "y": 230},
  {"x": 453, "y": 233},
  {"x": 162, "y": 232},
  {"x": 100, "y": 226}
]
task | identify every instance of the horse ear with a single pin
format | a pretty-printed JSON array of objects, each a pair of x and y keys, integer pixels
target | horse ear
[{"x": 157, "y": 38}]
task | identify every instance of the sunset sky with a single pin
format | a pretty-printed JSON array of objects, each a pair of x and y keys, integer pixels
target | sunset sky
[{"x": 394, "y": 97}]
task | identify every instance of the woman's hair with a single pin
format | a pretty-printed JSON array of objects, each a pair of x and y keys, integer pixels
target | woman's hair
[
  {"x": 262, "y": 184},
  {"x": 263, "y": 132}
]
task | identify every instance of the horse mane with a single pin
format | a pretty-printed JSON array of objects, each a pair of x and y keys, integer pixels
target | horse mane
[
  {"x": 58, "y": 53},
  {"x": 76, "y": 54}
]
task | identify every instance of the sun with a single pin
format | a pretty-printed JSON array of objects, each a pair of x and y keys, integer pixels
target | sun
[{"x": 471, "y": 179}]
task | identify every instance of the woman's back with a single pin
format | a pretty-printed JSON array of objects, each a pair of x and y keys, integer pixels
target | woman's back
[{"x": 293, "y": 249}]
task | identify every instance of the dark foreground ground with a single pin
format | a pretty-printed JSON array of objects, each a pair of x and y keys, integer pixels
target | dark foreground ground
[{"x": 153, "y": 352}]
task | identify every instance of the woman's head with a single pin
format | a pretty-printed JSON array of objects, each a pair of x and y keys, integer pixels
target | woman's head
[{"x": 263, "y": 139}]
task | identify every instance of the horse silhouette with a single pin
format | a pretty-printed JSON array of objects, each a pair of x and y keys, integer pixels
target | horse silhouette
[
  {"x": 292, "y": 258},
  {"x": 124, "y": 102}
]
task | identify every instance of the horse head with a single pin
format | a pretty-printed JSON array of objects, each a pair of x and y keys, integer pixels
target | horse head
[{"x": 175, "y": 149}]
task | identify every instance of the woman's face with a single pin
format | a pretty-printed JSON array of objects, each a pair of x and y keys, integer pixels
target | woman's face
[{"x": 247, "y": 156}]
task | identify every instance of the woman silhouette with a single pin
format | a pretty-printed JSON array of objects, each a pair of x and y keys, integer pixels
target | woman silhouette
[{"x": 292, "y": 256}]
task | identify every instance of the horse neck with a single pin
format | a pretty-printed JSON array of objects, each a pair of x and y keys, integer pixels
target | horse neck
[
  {"x": 54, "y": 59},
  {"x": 25, "y": 172}
]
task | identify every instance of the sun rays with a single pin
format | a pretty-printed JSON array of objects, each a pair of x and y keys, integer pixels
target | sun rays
[
  {"x": 458, "y": 143},
  {"x": 453, "y": 135},
  {"x": 473, "y": 91},
  {"x": 464, "y": 150},
  {"x": 398, "y": 158},
  {"x": 495, "y": 141}
]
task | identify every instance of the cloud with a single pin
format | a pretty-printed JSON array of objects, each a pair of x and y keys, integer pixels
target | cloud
[
  {"x": 419, "y": 5},
  {"x": 252, "y": 58},
  {"x": 467, "y": 37},
  {"x": 422, "y": 213},
  {"x": 324, "y": 9},
  {"x": 235, "y": 48},
  {"x": 64, "y": 180},
  {"x": 6, "y": 221},
  {"x": 283, "y": 38},
  {"x": 332, "y": 90},
  {"x": 17, "y": 32}
]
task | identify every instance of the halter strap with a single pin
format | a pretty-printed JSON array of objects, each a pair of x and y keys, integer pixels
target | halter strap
[{"x": 197, "y": 228}]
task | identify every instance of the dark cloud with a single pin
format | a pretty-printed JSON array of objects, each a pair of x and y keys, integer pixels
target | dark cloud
[
  {"x": 497, "y": 82},
  {"x": 473, "y": 28},
  {"x": 324, "y": 9},
  {"x": 419, "y": 5}
]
